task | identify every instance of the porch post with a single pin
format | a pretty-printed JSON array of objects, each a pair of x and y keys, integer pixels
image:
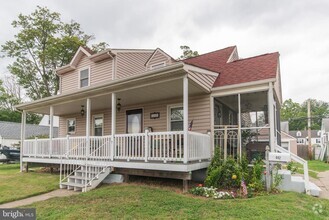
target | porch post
[
  {"x": 185, "y": 108},
  {"x": 51, "y": 119},
  {"x": 88, "y": 127},
  {"x": 23, "y": 121},
  {"x": 239, "y": 127},
  {"x": 113, "y": 127},
  {"x": 271, "y": 116},
  {"x": 212, "y": 124}
]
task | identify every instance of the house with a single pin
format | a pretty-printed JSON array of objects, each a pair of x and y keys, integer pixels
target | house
[
  {"x": 302, "y": 137},
  {"x": 10, "y": 132},
  {"x": 141, "y": 112},
  {"x": 324, "y": 139}
]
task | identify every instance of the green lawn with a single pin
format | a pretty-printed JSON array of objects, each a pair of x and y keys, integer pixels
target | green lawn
[
  {"x": 314, "y": 167},
  {"x": 15, "y": 185},
  {"x": 136, "y": 201}
]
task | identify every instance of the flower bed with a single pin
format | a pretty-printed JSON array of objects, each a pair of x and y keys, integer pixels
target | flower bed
[{"x": 212, "y": 192}]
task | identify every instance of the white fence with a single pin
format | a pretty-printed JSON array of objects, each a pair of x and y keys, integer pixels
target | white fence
[{"x": 148, "y": 146}]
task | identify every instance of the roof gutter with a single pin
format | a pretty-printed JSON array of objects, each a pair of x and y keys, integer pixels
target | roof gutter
[{"x": 253, "y": 83}]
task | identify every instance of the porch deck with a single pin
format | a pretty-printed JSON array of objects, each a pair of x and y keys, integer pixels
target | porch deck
[{"x": 165, "y": 151}]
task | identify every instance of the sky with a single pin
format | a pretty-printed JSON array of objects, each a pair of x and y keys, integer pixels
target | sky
[{"x": 297, "y": 29}]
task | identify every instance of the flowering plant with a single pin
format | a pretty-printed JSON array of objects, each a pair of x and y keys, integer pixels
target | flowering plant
[{"x": 212, "y": 192}]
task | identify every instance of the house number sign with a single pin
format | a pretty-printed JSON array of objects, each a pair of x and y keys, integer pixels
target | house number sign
[
  {"x": 279, "y": 157},
  {"x": 155, "y": 115}
]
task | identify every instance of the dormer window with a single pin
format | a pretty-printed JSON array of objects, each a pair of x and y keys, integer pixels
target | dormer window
[
  {"x": 84, "y": 77},
  {"x": 157, "y": 65},
  {"x": 299, "y": 134}
]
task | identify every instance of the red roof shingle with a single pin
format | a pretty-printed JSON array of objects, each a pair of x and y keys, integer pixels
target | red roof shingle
[{"x": 239, "y": 71}]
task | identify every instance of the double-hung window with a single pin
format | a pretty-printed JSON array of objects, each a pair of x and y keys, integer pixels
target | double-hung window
[
  {"x": 84, "y": 77},
  {"x": 176, "y": 118}
]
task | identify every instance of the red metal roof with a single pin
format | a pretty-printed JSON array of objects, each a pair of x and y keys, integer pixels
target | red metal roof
[{"x": 239, "y": 71}]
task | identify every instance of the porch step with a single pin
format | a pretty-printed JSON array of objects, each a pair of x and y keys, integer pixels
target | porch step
[
  {"x": 314, "y": 189},
  {"x": 80, "y": 178},
  {"x": 76, "y": 181}
]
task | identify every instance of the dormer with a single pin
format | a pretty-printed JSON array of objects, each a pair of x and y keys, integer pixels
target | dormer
[
  {"x": 299, "y": 134},
  {"x": 85, "y": 69},
  {"x": 158, "y": 59}
]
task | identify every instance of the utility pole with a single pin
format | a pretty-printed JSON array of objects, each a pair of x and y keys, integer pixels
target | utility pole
[{"x": 310, "y": 156}]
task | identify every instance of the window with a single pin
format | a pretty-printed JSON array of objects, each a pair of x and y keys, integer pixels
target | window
[
  {"x": 300, "y": 140},
  {"x": 299, "y": 134},
  {"x": 158, "y": 65},
  {"x": 84, "y": 78},
  {"x": 71, "y": 126},
  {"x": 176, "y": 119},
  {"x": 318, "y": 140},
  {"x": 98, "y": 125}
]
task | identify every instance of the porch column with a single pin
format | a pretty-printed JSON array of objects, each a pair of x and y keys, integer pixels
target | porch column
[
  {"x": 185, "y": 126},
  {"x": 212, "y": 124},
  {"x": 113, "y": 127},
  {"x": 239, "y": 127},
  {"x": 271, "y": 116},
  {"x": 51, "y": 133},
  {"x": 23, "y": 121},
  {"x": 88, "y": 108}
]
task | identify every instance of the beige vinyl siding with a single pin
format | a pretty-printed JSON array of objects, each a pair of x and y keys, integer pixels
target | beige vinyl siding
[
  {"x": 130, "y": 63},
  {"x": 99, "y": 72},
  {"x": 81, "y": 123},
  {"x": 199, "y": 112},
  {"x": 157, "y": 58},
  {"x": 206, "y": 81}
]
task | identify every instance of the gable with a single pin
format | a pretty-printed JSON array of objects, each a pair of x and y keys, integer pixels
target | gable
[{"x": 158, "y": 59}]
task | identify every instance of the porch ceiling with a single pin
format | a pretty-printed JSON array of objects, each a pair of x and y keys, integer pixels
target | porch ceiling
[{"x": 170, "y": 89}]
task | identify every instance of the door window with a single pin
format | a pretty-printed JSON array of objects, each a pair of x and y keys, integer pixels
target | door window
[
  {"x": 134, "y": 121},
  {"x": 98, "y": 125}
]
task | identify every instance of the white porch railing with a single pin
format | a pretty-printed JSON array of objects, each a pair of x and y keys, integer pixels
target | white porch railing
[{"x": 148, "y": 146}]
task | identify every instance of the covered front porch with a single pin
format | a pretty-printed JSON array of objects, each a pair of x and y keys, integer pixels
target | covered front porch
[{"x": 155, "y": 124}]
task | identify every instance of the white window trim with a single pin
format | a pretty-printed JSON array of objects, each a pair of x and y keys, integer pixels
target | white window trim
[
  {"x": 169, "y": 107},
  {"x": 93, "y": 123},
  {"x": 157, "y": 65},
  {"x": 79, "y": 76},
  {"x": 67, "y": 126},
  {"x": 299, "y": 134}
]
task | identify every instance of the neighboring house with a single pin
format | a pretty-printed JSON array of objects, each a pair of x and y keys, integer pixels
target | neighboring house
[
  {"x": 325, "y": 138},
  {"x": 141, "y": 112},
  {"x": 302, "y": 137},
  {"x": 10, "y": 132},
  {"x": 45, "y": 121}
]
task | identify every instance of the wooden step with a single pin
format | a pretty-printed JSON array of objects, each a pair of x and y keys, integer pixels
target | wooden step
[
  {"x": 88, "y": 172},
  {"x": 80, "y": 178},
  {"x": 74, "y": 184}
]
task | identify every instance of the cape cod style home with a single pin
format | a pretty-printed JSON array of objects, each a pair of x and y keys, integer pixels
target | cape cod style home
[{"x": 141, "y": 112}]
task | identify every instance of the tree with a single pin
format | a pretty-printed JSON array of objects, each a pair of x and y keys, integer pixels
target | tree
[
  {"x": 42, "y": 44},
  {"x": 10, "y": 95},
  {"x": 296, "y": 114},
  {"x": 187, "y": 53}
]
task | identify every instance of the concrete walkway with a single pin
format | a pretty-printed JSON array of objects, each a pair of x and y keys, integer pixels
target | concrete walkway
[
  {"x": 42, "y": 197},
  {"x": 323, "y": 183}
]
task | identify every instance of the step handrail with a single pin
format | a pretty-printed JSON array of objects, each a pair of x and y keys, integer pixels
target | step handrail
[
  {"x": 300, "y": 161},
  {"x": 102, "y": 169}
]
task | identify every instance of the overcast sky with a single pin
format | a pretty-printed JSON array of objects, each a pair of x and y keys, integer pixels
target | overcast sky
[{"x": 298, "y": 29}]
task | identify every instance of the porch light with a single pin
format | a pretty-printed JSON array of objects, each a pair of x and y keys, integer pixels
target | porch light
[
  {"x": 118, "y": 105},
  {"x": 82, "y": 112}
]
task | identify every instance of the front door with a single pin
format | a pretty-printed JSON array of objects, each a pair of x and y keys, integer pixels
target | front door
[{"x": 134, "y": 121}]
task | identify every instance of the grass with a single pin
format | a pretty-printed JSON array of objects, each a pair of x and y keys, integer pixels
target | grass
[
  {"x": 136, "y": 201},
  {"x": 15, "y": 185},
  {"x": 314, "y": 166}
]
